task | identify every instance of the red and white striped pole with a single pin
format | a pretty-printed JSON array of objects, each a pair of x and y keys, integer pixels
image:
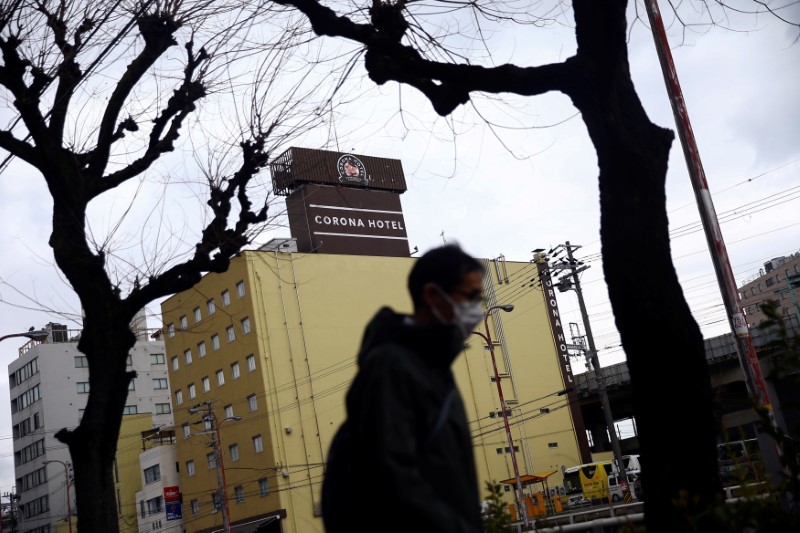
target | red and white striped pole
[{"x": 748, "y": 359}]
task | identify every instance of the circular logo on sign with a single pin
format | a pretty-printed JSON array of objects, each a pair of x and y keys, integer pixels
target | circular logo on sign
[{"x": 351, "y": 170}]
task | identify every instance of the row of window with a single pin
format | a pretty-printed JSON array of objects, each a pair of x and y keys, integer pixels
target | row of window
[
  {"x": 29, "y": 453},
  {"x": 25, "y": 399},
  {"x": 230, "y": 332},
  {"x": 158, "y": 384},
  {"x": 36, "y": 507},
  {"x": 252, "y": 405},
  {"x": 155, "y": 359},
  {"x": 239, "y": 495},
  {"x": 769, "y": 282},
  {"x": 27, "y": 426},
  {"x": 233, "y": 450},
  {"x": 211, "y": 308},
  {"x": 28, "y": 370},
  {"x": 34, "y": 479},
  {"x": 220, "y": 378}
]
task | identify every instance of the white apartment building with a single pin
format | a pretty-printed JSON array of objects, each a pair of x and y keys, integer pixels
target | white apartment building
[{"x": 49, "y": 386}]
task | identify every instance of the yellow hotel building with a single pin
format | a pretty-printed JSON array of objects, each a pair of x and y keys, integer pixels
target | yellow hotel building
[{"x": 269, "y": 348}]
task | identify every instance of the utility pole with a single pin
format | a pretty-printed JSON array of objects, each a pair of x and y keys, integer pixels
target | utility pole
[
  {"x": 748, "y": 359},
  {"x": 208, "y": 415},
  {"x": 591, "y": 356}
]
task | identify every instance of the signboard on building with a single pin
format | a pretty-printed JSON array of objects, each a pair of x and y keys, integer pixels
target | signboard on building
[
  {"x": 174, "y": 511},
  {"x": 562, "y": 351},
  {"x": 172, "y": 502},
  {"x": 341, "y": 203}
]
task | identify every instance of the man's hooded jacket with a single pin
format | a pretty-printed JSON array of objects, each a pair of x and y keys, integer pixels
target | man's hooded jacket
[{"x": 403, "y": 459}]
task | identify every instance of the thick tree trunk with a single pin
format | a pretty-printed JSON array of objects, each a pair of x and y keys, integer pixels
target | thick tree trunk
[
  {"x": 106, "y": 341},
  {"x": 93, "y": 445},
  {"x": 664, "y": 346}
]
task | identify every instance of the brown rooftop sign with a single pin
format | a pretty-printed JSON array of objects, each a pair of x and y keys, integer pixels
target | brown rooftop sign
[{"x": 300, "y": 166}]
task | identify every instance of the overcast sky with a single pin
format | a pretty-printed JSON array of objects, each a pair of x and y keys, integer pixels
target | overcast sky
[{"x": 535, "y": 187}]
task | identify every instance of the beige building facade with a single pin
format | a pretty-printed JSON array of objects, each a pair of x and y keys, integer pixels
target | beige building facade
[
  {"x": 778, "y": 281},
  {"x": 269, "y": 349}
]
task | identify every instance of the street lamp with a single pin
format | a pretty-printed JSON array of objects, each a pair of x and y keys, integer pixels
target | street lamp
[
  {"x": 66, "y": 482},
  {"x": 488, "y": 338},
  {"x": 216, "y": 441},
  {"x": 34, "y": 335}
]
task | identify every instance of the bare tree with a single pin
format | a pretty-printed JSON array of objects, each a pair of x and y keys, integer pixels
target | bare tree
[
  {"x": 107, "y": 96},
  {"x": 404, "y": 41}
]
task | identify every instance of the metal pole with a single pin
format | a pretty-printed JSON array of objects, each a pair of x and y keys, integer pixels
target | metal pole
[
  {"x": 66, "y": 484},
  {"x": 520, "y": 492},
  {"x": 221, "y": 485},
  {"x": 598, "y": 371},
  {"x": 69, "y": 506},
  {"x": 748, "y": 359}
]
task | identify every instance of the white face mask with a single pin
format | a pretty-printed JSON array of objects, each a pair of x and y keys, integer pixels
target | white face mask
[{"x": 466, "y": 315}]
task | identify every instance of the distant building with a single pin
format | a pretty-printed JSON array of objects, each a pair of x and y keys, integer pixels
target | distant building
[
  {"x": 49, "y": 386},
  {"x": 779, "y": 281}
]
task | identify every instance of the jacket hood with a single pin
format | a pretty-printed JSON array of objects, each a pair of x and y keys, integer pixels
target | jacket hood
[{"x": 438, "y": 344}]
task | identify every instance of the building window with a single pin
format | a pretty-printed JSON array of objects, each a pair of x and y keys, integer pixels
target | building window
[
  {"x": 226, "y": 298},
  {"x": 155, "y": 505},
  {"x": 152, "y": 474},
  {"x": 215, "y": 342},
  {"x": 157, "y": 359},
  {"x": 190, "y": 470},
  {"x": 239, "y": 491},
  {"x": 211, "y": 306},
  {"x": 201, "y": 348},
  {"x": 245, "y": 326},
  {"x": 235, "y": 373},
  {"x": 252, "y": 402},
  {"x": 129, "y": 360},
  {"x": 197, "y": 315},
  {"x": 36, "y": 422},
  {"x": 231, "y": 333},
  {"x": 234, "y": 451},
  {"x": 132, "y": 384},
  {"x": 187, "y": 356},
  {"x": 258, "y": 444},
  {"x": 187, "y": 431},
  {"x": 229, "y": 411},
  {"x": 184, "y": 323},
  {"x": 220, "y": 378},
  {"x": 240, "y": 289},
  {"x": 207, "y": 424},
  {"x": 130, "y": 410},
  {"x": 175, "y": 363},
  {"x": 216, "y": 501},
  {"x": 160, "y": 384},
  {"x": 171, "y": 330},
  {"x": 195, "y": 507},
  {"x": 590, "y": 438},
  {"x": 163, "y": 409},
  {"x": 178, "y": 397},
  {"x": 212, "y": 460},
  {"x": 263, "y": 486},
  {"x": 81, "y": 361},
  {"x": 206, "y": 384},
  {"x": 83, "y": 387},
  {"x": 549, "y": 445},
  {"x": 192, "y": 391},
  {"x": 251, "y": 362}
]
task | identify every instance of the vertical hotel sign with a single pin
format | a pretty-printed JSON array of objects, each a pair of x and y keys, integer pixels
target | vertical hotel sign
[{"x": 563, "y": 358}]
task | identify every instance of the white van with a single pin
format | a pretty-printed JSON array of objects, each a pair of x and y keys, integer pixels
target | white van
[{"x": 615, "y": 491}]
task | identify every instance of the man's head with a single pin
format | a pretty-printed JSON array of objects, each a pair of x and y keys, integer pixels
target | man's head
[{"x": 441, "y": 277}]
